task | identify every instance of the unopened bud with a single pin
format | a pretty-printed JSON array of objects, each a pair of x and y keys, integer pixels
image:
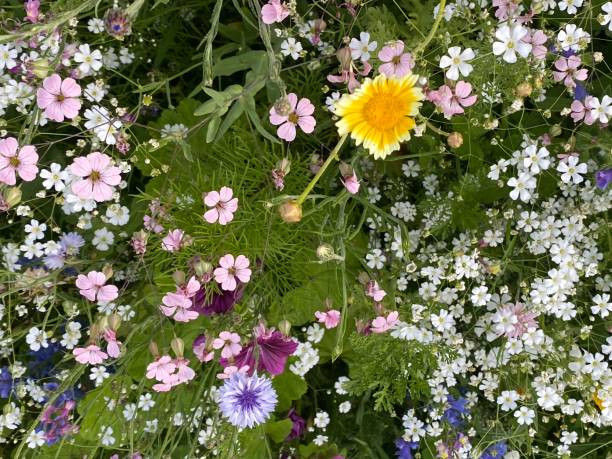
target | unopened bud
[
  {"x": 107, "y": 270},
  {"x": 12, "y": 196},
  {"x": 524, "y": 89},
  {"x": 178, "y": 277},
  {"x": 178, "y": 346},
  {"x": 325, "y": 252},
  {"x": 202, "y": 267},
  {"x": 284, "y": 326},
  {"x": 40, "y": 68},
  {"x": 555, "y": 130},
  {"x": 290, "y": 211},
  {"x": 283, "y": 106},
  {"x": 114, "y": 321},
  {"x": 153, "y": 349},
  {"x": 344, "y": 57},
  {"x": 455, "y": 140}
]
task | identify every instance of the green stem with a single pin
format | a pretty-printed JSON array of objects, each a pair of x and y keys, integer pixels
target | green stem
[
  {"x": 433, "y": 30},
  {"x": 333, "y": 156}
]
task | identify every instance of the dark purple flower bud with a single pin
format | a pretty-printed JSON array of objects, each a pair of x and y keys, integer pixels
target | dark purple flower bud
[
  {"x": 218, "y": 303},
  {"x": 298, "y": 425}
]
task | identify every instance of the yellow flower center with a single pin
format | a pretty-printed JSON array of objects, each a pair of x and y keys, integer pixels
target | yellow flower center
[
  {"x": 293, "y": 118},
  {"x": 94, "y": 176},
  {"x": 14, "y": 161},
  {"x": 384, "y": 111}
]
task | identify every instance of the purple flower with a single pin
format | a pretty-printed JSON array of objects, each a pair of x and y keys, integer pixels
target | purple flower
[
  {"x": 298, "y": 425},
  {"x": 603, "y": 178},
  {"x": 247, "y": 401},
  {"x": 496, "y": 451},
  {"x": 404, "y": 448},
  {"x": 6, "y": 382},
  {"x": 71, "y": 243},
  {"x": 219, "y": 303},
  {"x": 273, "y": 349}
]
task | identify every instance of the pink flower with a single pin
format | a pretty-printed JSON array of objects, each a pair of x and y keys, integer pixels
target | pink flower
[
  {"x": 178, "y": 304},
  {"x": 229, "y": 371},
  {"x": 581, "y": 111},
  {"x": 92, "y": 287},
  {"x": 330, "y": 318},
  {"x": 351, "y": 183},
  {"x": 230, "y": 270},
  {"x": 568, "y": 71},
  {"x": 382, "y": 324},
  {"x": 161, "y": 369},
  {"x": 274, "y": 11},
  {"x": 520, "y": 320},
  {"x": 348, "y": 70},
  {"x": 201, "y": 351},
  {"x": 91, "y": 354},
  {"x": 375, "y": 292},
  {"x": 173, "y": 241},
  {"x": 298, "y": 114},
  {"x": 59, "y": 99},
  {"x": 113, "y": 346},
  {"x": 223, "y": 206},
  {"x": 98, "y": 176},
  {"x": 229, "y": 343},
  {"x": 397, "y": 63},
  {"x": 32, "y": 8},
  {"x": 505, "y": 8},
  {"x": 537, "y": 39},
  {"x": 184, "y": 372},
  {"x": 151, "y": 224},
  {"x": 452, "y": 104},
  {"x": 17, "y": 160}
]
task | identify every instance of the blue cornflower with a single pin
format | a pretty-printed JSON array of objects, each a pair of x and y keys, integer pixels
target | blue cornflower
[
  {"x": 404, "y": 448},
  {"x": 70, "y": 243},
  {"x": 247, "y": 401},
  {"x": 496, "y": 451}
]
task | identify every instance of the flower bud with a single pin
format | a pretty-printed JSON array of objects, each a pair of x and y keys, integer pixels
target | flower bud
[
  {"x": 178, "y": 346},
  {"x": 555, "y": 130},
  {"x": 107, "y": 270},
  {"x": 344, "y": 57},
  {"x": 283, "y": 106},
  {"x": 202, "y": 267},
  {"x": 153, "y": 349},
  {"x": 178, "y": 277},
  {"x": 12, "y": 196},
  {"x": 284, "y": 326},
  {"x": 290, "y": 211},
  {"x": 455, "y": 140},
  {"x": 40, "y": 68},
  {"x": 114, "y": 321},
  {"x": 325, "y": 252},
  {"x": 103, "y": 323},
  {"x": 524, "y": 89}
]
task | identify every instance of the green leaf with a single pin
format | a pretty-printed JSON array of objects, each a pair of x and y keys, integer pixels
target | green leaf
[
  {"x": 213, "y": 127},
  {"x": 235, "y": 112},
  {"x": 206, "y": 108},
  {"x": 251, "y": 112},
  {"x": 234, "y": 64},
  {"x": 278, "y": 430},
  {"x": 186, "y": 150},
  {"x": 289, "y": 387}
]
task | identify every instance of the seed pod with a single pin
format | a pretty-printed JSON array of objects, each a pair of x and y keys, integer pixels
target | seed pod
[{"x": 290, "y": 211}]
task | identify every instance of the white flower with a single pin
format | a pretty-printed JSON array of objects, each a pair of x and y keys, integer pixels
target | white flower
[
  {"x": 361, "y": 49},
  {"x": 7, "y": 56},
  {"x": 117, "y": 214},
  {"x": 571, "y": 36},
  {"x": 320, "y": 440},
  {"x": 321, "y": 420},
  {"x": 443, "y": 321},
  {"x": 94, "y": 92},
  {"x": 457, "y": 62},
  {"x": 601, "y": 111},
  {"x": 89, "y": 60},
  {"x": 571, "y": 170},
  {"x": 125, "y": 56},
  {"x": 606, "y": 18},
  {"x": 291, "y": 47},
  {"x": 32, "y": 249},
  {"x": 103, "y": 239},
  {"x": 548, "y": 398},
  {"x": 35, "y": 230},
  {"x": 95, "y": 25},
  {"x": 524, "y": 416},
  {"x": 98, "y": 374},
  {"x": 37, "y": 338},
  {"x": 106, "y": 436},
  {"x": 536, "y": 160},
  {"x": 102, "y": 124},
  {"x": 72, "y": 335},
  {"x": 595, "y": 365},
  {"x": 129, "y": 412},
  {"x": 603, "y": 307},
  {"x": 344, "y": 407},
  {"x": 480, "y": 295},
  {"x": 570, "y": 5},
  {"x": 146, "y": 402},
  {"x": 376, "y": 259},
  {"x": 522, "y": 186},
  {"x": 510, "y": 42},
  {"x": 55, "y": 177},
  {"x": 508, "y": 399},
  {"x": 339, "y": 385},
  {"x": 36, "y": 439}
]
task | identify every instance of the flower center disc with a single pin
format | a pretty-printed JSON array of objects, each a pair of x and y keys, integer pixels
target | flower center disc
[{"x": 383, "y": 111}]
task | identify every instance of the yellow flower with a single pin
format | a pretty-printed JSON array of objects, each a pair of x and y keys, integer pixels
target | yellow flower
[{"x": 380, "y": 113}]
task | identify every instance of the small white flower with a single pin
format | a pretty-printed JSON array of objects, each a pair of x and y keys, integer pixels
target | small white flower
[
  {"x": 291, "y": 47},
  {"x": 37, "y": 338},
  {"x": 601, "y": 111},
  {"x": 35, "y": 230},
  {"x": 507, "y": 400},
  {"x": 98, "y": 374},
  {"x": 524, "y": 416},
  {"x": 103, "y": 239},
  {"x": 361, "y": 49},
  {"x": 457, "y": 62},
  {"x": 129, "y": 412},
  {"x": 571, "y": 170},
  {"x": 344, "y": 407},
  {"x": 146, "y": 402},
  {"x": 523, "y": 184},
  {"x": 36, "y": 439},
  {"x": 511, "y": 42},
  {"x": 90, "y": 61},
  {"x": 570, "y": 5},
  {"x": 95, "y": 25},
  {"x": 376, "y": 259},
  {"x": 106, "y": 436},
  {"x": 8, "y": 54},
  {"x": 321, "y": 419},
  {"x": 55, "y": 177}
]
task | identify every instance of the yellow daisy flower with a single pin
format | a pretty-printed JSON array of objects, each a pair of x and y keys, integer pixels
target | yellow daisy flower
[{"x": 380, "y": 113}]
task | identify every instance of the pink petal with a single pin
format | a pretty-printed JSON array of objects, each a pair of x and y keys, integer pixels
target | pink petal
[
  {"x": 9, "y": 146},
  {"x": 7, "y": 176},
  {"x": 27, "y": 172},
  {"x": 70, "y": 88},
  {"x": 44, "y": 98},
  {"x": 111, "y": 175},
  {"x": 98, "y": 161},
  {"x": 286, "y": 131},
  {"x": 307, "y": 124},
  {"x": 211, "y": 216},
  {"x": 241, "y": 262},
  {"x": 101, "y": 191},
  {"x": 211, "y": 199},
  {"x": 304, "y": 107},
  {"x": 225, "y": 216},
  {"x": 292, "y": 98},
  {"x": 225, "y": 193},
  {"x": 81, "y": 167},
  {"x": 53, "y": 84},
  {"x": 83, "y": 189},
  {"x": 229, "y": 284},
  {"x": 108, "y": 293},
  {"x": 275, "y": 118},
  {"x": 71, "y": 107},
  {"x": 54, "y": 111}
]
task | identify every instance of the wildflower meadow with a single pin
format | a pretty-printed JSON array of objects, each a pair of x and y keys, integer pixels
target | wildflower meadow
[{"x": 325, "y": 229}]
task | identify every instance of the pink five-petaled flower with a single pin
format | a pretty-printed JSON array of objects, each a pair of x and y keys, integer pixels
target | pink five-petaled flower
[
  {"x": 113, "y": 347},
  {"x": 223, "y": 206},
  {"x": 91, "y": 354},
  {"x": 92, "y": 287},
  {"x": 581, "y": 111},
  {"x": 297, "y": 114},
  {"x": 229, "y": 371},
  {"x": 567, "y": 70},
  {"x": 161, "y": 369},
  {"x": 183, "y": 374},
  {"x": 231, "y": 269},
  {"x": 59, "y": 99},
  {"x": 375, "y": 292},
  {"x": 98, "y": 176},
  {"x": 229, "y": 343},
  {"x": 173, "y": 241},
  {"x": 452, "y": 103},
  {"x": 17, "y": 160},
  {"x": 178, "y": 304},
  {"x": 330, "y": 318},
  {"x": 537, "y": 38},
  {"x": 396, "y": 62},
  {"x": 382, "y": 324},
  {"x": 274, "y": 11}
]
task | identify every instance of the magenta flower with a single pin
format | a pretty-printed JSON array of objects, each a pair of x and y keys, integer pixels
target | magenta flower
[
  {"x": 581, "y": 111},
  {"x": 567, "y": 70},
  {"x": 32, "y": 9},
  {"x": 375, "y": 292},
  {"x": 382, "y": 324},
  {"x": 298, "y": 114},
  {"x": 330, "y": 318},
  {"x": 274, "y": 11},
  {"x": 92, "y": 287},
  {"x": 396, "y": 62},
  {"x": 161, "y": 369},
  {"x": 59, "y": 99},
  {"x": 521, "y": 320},
  {"x": 231, "y": 269},
  {"x": 15, "y": 160},
  {"x": 505, "y": 9},
  {"x": 229, "y": 343},
  {"x": 453, "y": 103},
  {"x": 173, "y": 241},
  {"x": 223, "y": 206},
  {"x": 178, "y": 304},
  {"x": 98, "y": 177},
  {"x": 269, "y": 351},
  {"x": 91, "y": 354}
]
